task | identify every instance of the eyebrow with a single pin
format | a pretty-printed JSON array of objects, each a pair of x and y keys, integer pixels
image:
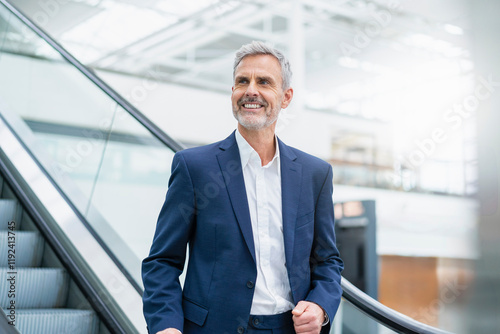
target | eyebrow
[
  {"x": 259, "y": 78},
  {"x": 239, "y": 77},
  {"x": 270, "y": 79}
]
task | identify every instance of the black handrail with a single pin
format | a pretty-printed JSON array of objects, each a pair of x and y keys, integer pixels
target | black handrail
[
  {"x": 381, "y": 313},
  {"x": 133, "y": 111}
]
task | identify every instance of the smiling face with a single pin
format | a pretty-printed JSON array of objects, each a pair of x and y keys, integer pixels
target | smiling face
[{"x": 258, "y": 95}]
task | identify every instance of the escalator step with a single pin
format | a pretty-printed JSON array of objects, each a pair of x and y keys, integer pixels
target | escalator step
[
  {"x": 8, "y": 212},
  {"x": 58, "y": 321},
  {"x": 25, "y": 246},
  {"x": 34, "y": 287}
]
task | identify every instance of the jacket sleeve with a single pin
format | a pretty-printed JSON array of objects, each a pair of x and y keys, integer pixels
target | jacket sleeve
[
  {"x": 162, "y": 299},
  {"x": 325, "y": 262}
]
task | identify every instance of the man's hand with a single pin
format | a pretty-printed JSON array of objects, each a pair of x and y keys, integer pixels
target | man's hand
[
  {"x": 308, "y": 318},
  {"x": 170, "y": 331}
]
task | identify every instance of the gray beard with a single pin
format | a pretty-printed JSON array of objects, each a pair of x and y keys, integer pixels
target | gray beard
[{"x": 262, "y": 122}]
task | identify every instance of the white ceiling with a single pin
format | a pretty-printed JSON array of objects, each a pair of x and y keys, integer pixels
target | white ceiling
[
  {"x": 413, "y": 45},
  {"x": 193, "y": 42}
]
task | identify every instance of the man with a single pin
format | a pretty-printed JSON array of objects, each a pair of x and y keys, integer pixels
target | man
[{"x": 258, "y": 218}]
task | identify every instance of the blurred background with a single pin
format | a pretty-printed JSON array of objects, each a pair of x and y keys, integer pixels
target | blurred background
[{"x": 400, "y": 96}]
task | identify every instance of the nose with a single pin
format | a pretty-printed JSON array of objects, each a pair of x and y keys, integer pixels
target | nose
[{"x": 252, "y": 89}]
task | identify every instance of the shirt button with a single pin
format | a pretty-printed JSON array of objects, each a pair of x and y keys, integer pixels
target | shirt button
[
  {"x": 241, "y": 330},
  {"x": 250, "y": 285}
]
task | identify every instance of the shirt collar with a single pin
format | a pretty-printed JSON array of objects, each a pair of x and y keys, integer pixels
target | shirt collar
[{"x": 247, "y": 152}]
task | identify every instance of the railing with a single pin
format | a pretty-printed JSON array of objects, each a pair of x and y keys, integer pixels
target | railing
[{"x": 383, "y": 314}]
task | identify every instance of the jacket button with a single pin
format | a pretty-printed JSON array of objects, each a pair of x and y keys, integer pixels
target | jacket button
[
  {"x": 250, "y": 285},
  {"x": 241, "y": 330},
  {"x": 256, "y": 321}
]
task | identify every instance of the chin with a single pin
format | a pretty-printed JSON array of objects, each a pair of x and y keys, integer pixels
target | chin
[{"x": 251, "y": 123}]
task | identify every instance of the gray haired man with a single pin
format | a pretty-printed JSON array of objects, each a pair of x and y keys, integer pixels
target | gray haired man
[{"x": 258, "y": 218}]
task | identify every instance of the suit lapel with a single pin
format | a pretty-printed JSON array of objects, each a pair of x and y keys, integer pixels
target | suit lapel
[
  {"x": 291, "y": 176},
  {"x": 230, "y": 166}
]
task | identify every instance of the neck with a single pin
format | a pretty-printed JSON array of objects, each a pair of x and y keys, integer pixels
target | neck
[{"x": 262, "y": 141}]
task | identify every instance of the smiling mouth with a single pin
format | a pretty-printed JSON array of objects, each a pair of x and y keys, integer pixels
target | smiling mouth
[{"x": 252, "y": 105}]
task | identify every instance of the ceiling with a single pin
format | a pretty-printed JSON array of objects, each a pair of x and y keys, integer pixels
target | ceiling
[
  {"x": 369, "y": 59},
  {"x": 193, "y": 42}
]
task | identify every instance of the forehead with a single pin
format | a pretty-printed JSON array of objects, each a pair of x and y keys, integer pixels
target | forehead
[{"x": 262, "y": 64}]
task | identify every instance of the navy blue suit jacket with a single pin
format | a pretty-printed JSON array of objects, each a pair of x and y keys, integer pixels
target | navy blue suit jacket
[{"x": 206, "y": 208}]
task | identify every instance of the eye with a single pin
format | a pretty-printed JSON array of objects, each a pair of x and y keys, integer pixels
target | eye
[
  {"x": 264, "y": 82},
  {"x": 242, "y": 81}
]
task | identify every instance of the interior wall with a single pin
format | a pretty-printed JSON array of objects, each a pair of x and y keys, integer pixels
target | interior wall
[{"x": 410, "y": 285}]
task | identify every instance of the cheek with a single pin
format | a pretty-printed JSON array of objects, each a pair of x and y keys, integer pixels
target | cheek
[
  {"x": 236, "y": 96},
  {"x": 275, "y": 101},
  {"x": 234, "y": 99}
]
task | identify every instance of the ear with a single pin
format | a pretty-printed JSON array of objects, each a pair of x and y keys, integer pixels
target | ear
[
  {"x": 287, "y": 98},
  {"x": 232, "y": 89}
]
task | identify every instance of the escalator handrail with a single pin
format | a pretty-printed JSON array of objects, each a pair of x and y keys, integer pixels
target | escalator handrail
[
  {"x": 383, "y": 314},
  {"x": 92, "y": 76}
]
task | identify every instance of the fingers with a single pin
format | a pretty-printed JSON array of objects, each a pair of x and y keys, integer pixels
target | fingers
[
  {"x": 300, "y": 308},
  {"x": 309, "y": 328},
  {"x": 307, "y": 318}
]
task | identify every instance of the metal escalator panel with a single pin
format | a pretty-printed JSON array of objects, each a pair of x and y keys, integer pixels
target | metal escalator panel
[{"x": 33, "y": 295}]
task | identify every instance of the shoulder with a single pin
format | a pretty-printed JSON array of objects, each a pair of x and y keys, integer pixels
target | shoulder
[
  {"x": 198, "y": 159},
  {"x": 194, "y": 153},
  {"x": 202, "y": 153},
  {"x": 307, "y": 160},
  {"x": 314, "y": 169},
  {"x": 316, "y": 173}
]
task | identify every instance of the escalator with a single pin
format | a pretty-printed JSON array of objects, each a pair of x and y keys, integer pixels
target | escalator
[
  {"x": 83, "y": 176},
  {"x": 37, "y": 290}
]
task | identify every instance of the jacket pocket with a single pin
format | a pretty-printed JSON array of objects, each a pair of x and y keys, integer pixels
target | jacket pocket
[
  {"x": 194, "y": 312},
  {"x": 305, "y": 219}
]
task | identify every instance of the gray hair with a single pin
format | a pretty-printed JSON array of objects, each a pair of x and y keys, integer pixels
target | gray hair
[{"x": 261, "y": 48}]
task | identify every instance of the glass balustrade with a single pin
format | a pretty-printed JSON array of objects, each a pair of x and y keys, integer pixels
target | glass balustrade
[{"x": 109, "y": 165}]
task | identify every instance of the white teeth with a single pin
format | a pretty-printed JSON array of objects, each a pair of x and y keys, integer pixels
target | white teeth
[{"x": 251, "y": 106}]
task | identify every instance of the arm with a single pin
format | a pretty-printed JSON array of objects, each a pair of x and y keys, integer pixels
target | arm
[
  {"x": 162, "y": 299},
  {"x": 325, "y": 262}
]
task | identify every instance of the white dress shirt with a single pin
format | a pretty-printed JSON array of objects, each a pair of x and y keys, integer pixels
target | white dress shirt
[{"x": 272, "y": 293}]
